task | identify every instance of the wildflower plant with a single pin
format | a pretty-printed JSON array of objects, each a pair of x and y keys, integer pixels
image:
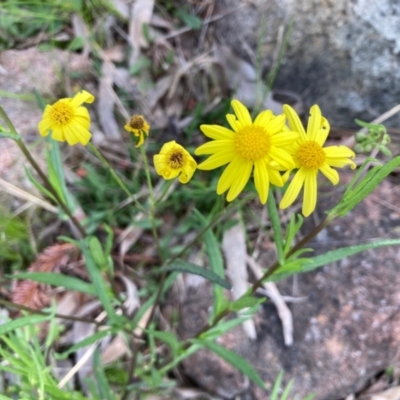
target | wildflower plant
[{"x": 273, "y": 151}]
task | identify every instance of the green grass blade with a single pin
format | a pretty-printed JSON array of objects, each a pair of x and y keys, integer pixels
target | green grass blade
[
  {"x": 23, "y": 321},
  {"x": 59, "y": 280},
  {"x": 184, "y": 266},
  {"x": 232, "y": 358}
]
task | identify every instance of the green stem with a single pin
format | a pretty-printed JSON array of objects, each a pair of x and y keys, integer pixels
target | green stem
[
  {"x": 115, "y": 176},
  {"x": 274, "y": 267},
  {"x": 42, "y": 175},
  {"x": 152, "y": 204}
]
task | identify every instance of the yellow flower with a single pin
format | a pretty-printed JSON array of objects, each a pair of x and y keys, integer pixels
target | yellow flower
[
  {"x": 174, "y": 160},
  {"x": 310, "y": 157},
  {"x": 138, "y": 126},
  {"x": 249, "y": 145},
  {"x": 67, "y": 120}
]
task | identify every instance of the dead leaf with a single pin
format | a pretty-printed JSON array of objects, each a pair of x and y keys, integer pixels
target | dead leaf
[
  {"x": 105, "y": 103},
  {"x": 141, "y": 13},
  {"x": 235, "y": 252},
  {"x": 390, "y": 394}
]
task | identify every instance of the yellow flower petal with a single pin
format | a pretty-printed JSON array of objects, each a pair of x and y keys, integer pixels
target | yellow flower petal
[
  {"x": 323, "y": 132},
  {"x": 284, "y": 139},
  {"x": 233, "y": 122},
  {"x": 58, "y": 134},
  {"x": 276, "y": 124},
  {"x": 217, "y": 132},
  {"x": 282, "y": 157},
  {"x": 339, "y": 152},
  {"x": 330, "y": 173},
  {"x": 229, "y": 175},
  {"x": 294, "y": 121},
  {"x": 214, "y": 147},
  {"x": 44, "y": 127},
  {"x": 293, "y": 189},
  {"x": 82, "y": 97},
  {"x": 240, "y": 181},
  {"x": 314, "y": 122},
  {"x": 275, "y": 177},
  {"x": 217, "y": 160},
  {"x": 263, "y": 118},
  {"x": 261, "y": 180},
  {"x": 242, "y": 113},
  {"x": 310, "y": 192}
]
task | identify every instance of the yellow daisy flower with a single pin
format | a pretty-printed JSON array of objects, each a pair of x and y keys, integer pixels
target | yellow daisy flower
[
  {"x": 310, "y": 157},
  {"x": 174, "y": 160},
  {"x": 248, "y": 146},
  {"x": 67, "y": 120},
  {"x": 138, "y": 126}
]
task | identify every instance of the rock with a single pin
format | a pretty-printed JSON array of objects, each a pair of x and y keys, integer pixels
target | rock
[
  {"x": 348, "y": 330},
  {"x": 343, "y": 54}
]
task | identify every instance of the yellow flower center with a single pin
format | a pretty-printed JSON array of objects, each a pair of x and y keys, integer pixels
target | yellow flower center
[
  {"x": 61, "y": 113},
  {"x": 311, "y": 155},
  {"x": 136, "y": 122},
  {"x": 252, "y": 142},
  {"x": 176, "y": 159}
]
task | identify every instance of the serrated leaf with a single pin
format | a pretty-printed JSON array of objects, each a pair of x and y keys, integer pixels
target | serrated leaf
[
  {"x": 184, "y": 266},
  {"x": 232, "y": 358},
  {"x": 59, "y": 280}
]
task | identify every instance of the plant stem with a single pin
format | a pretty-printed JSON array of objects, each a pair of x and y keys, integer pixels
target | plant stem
[
  {"x": 115, "y": 176},
  {"x": 298, "y": 246}
]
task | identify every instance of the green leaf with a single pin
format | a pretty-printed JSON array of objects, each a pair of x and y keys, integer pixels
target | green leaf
[
  {"x": 216, "y": 261},
  {"x": 309, "y": 264},
  {"x": 277, "y": 386},
  {"x": 232, "y": 358},
  {"x": 59, "y": 280},
  {"x": 245, "y": 302},
  {"x": 85, "y": 342},
  {"x": 103, "y": 291},
  {"x": 184, "y": 266},
  {"x": 23, "y": 321},
  {"x": 365, "y": 187},
  {"x": 39, "y": 186},
  {"x": 192, "y": 21},
  {"x": 97, "y": 253},
  {"x": 167, "y": 337},
  {"x": 292, "y": 230},
  {"x": 105, "y": 391}
]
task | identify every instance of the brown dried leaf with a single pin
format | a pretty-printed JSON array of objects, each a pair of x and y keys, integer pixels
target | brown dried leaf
[{"x": 52, "y": 259}]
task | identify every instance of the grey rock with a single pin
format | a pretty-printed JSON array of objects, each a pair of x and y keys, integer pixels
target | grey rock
[{"x": 342, "y": 54}]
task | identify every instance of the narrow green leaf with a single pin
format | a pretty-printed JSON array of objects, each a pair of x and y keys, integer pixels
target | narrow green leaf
[
  {"x": 339, "y": 254},
  {"x": 85, "y": 342},
  {"x": 184, "y": 266},
  {"x": 292, "y": 230},
  {"x": 23, "y": 321},
  {"x": 287, "y": 390},
  {"x": 309, "y": 264},
  {"x": 59, "y": 280},
  {"x": 277, "y": 386},
  {"x": 105, "y": 391},
  {"x": 245, "y": 302},
  {"x": 102, "y": 290},
  {"x": 167, "y": 337},
  {"x": 232, "y": 358},
  {"x": 365, "y": 187},
  {"x": 39, "y": 186},
  {"x": 216, "y": 262}
]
